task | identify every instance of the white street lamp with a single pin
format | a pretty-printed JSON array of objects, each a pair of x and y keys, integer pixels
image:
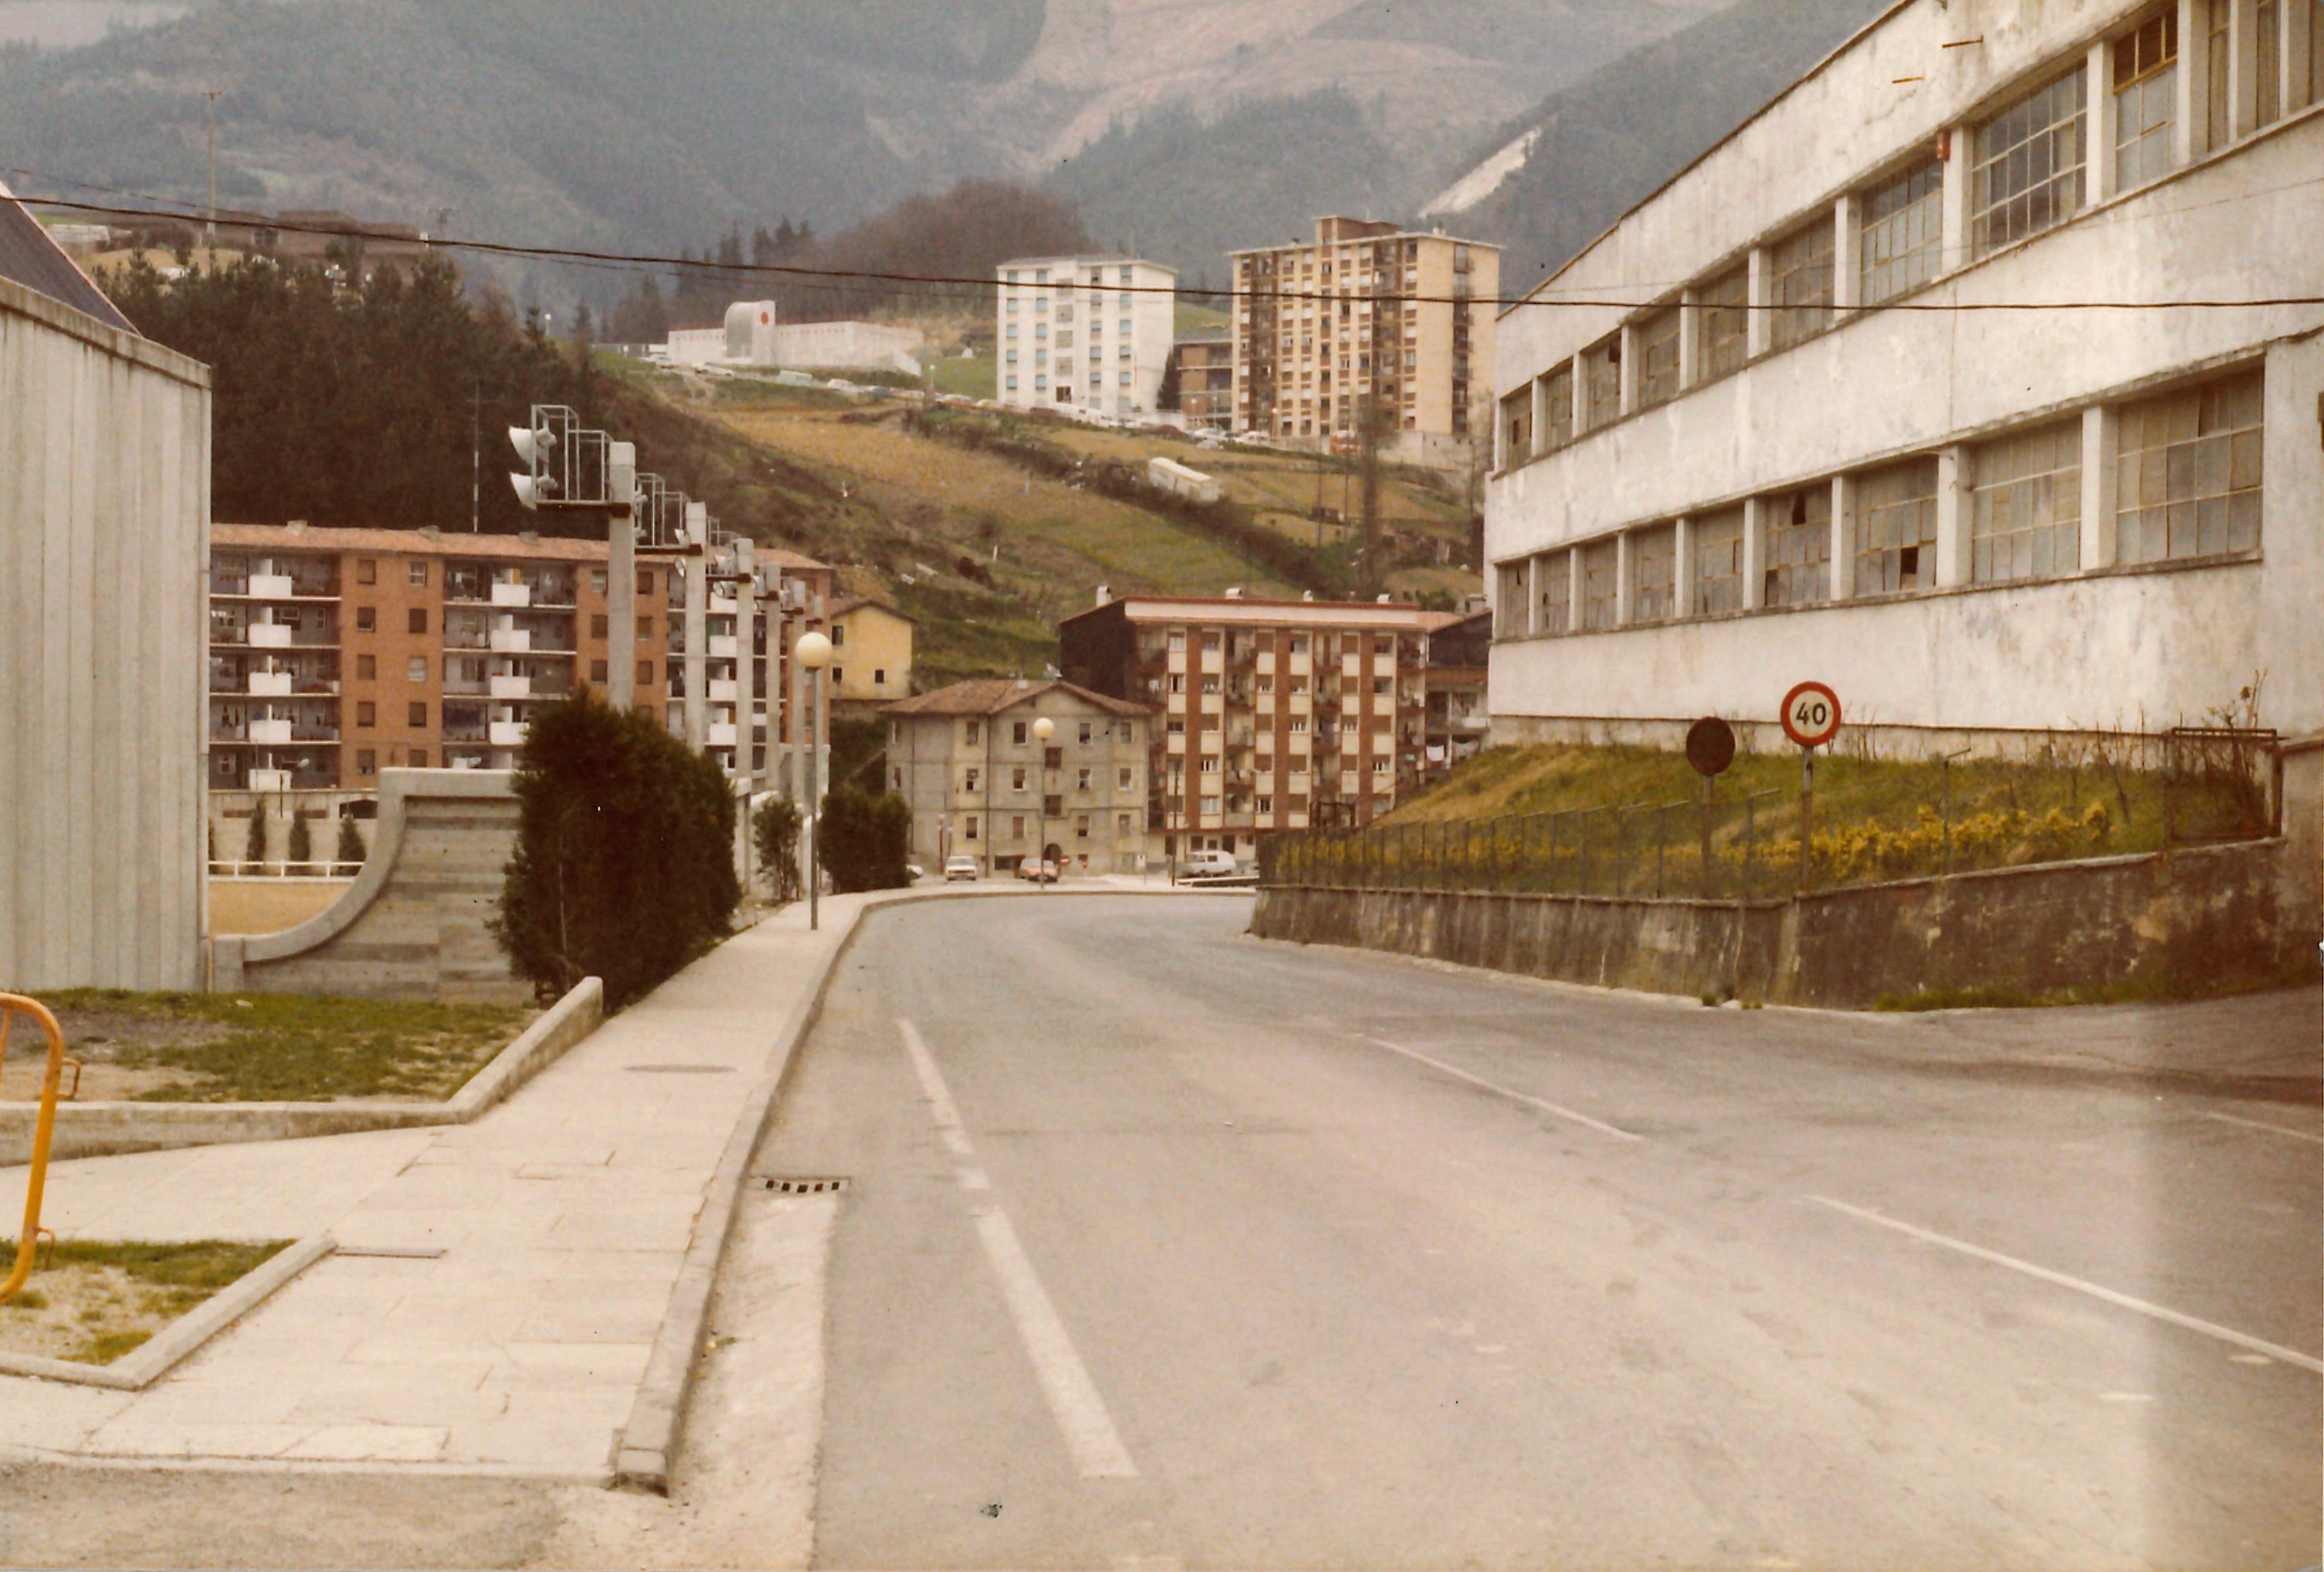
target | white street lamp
[
  {"x": 813, "y": 652},
  {"x": 1043, "y": 729}
]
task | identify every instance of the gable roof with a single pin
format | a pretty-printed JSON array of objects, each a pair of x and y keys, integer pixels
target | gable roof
[
  {"x": 992, "y": 694},
  {"x": 31, "y": 259},
  {"x": 843, "y": 604}
]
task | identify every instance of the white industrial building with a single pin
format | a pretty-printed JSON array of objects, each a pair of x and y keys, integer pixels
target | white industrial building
[
  {"x": 755, "y": 339},
  {"x": 105, "y": 486},
  {"x": 1086, "y": 335},
  {"x": 1792, "y": 417}
]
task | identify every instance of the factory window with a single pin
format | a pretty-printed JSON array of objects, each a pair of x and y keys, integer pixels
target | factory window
[
  {"x": 1601, "y": 370},
  {"x": 1801, "y": 283},
  {"x": 1654, "y": 574},
  {"x": 1658, "y": 358},
  {"x": 2145, "y": 95},
  {"x": 2029, "y": 168},
  {"x": 1900, "y": 234},
  {"x": 1717, "y": 542},
  {"x": 1895, "y": 530},
  {"x": 2026, "y": 505},
  {"x": 1798, "y": 547},
  {"x": 1554, "y": 576},
  {"x": 1557, "y": 407},
  {"x": 1724, "y": 323},
  {"x": 1600, "y": 584},
  {"x": 2188, "y": 481}
]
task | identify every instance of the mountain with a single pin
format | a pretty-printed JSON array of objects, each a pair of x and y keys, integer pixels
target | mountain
[
  {"x": 1191, "y": 124},
  {"x": 1546, "y": 183}
]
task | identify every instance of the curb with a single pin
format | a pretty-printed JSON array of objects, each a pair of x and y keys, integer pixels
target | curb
[
  {"x": 144, "y": 1366},
  {"x": 647, "y": 1449},
  {"x": 108, "y": 1129}
]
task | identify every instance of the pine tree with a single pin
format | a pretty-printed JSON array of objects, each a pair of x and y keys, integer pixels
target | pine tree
[
  {"x": 351, "y": 846},
  {"x": 301, "y": 850},
  {"x": 254, "y": 849}
]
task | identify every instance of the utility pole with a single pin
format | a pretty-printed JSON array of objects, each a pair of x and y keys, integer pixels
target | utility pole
[
  {"x": 477, "y": 460},
  {"x": 210, "y": 227}
]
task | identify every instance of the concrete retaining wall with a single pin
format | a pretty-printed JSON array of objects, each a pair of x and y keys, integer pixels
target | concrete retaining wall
[
  {"x": 415, "y": 924},
  {"x": 2223, "y": 913}
]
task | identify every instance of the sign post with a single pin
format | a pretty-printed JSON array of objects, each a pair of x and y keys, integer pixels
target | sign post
[
  {"x": 1711, "y": 748},
  {"x": 1811, "y": 719}
]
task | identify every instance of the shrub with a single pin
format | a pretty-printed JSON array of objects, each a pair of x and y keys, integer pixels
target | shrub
[
  {"x": 253, "y": 849},
  {"x": 864, "y": 841},
  {"x": 351, "y": 846},
  {"x": 302, "y": 841},
  {"x": 624, "y": 857},
  {"x": 775, "y": 831}
]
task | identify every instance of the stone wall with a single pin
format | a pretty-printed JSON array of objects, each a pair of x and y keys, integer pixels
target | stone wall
[
  {"x": 2234, "y": 912},
  {"x": 415, "y": 924}
]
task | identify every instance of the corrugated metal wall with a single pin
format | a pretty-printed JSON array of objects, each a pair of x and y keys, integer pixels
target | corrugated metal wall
[{"x": 103, "y": 530}]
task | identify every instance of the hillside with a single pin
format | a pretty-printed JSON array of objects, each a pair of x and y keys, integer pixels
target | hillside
[{"x": 602, "y": 123}]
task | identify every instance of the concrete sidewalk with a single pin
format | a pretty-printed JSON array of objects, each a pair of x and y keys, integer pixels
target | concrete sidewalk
[{"x": 563, "y": 1217}]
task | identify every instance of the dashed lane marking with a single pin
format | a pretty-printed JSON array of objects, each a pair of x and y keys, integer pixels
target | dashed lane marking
[{"x": 1499, "y": 1091}]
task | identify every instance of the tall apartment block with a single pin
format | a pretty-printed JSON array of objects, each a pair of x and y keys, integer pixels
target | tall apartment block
[
  {"x": 1206, "y": 380},
  {"x": 1085, "y": 334},
  {"x": 1271, "y": 715},
  {"x": 1370, "y": 318},
  {"x": 337, "y": 653}
]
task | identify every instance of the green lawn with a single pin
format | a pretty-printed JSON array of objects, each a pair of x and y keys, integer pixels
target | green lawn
[
  {"x": 966, "y": 378},
  {"x": 91, "y": 1302},
  {"x": 1191, "y": 318}
]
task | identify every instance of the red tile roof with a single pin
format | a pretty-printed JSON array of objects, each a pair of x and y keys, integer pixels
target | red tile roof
[{"x": 992, "y": 696}]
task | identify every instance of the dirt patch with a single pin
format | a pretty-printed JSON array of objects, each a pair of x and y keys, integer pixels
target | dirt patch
[{"x": 92, "y": 1301}]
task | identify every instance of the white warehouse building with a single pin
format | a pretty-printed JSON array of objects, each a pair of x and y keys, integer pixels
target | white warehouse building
[
  {"x": 1086, "y": 335},
  {"x": 1791, "y": 418}
]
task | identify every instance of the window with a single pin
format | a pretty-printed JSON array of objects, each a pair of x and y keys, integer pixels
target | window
[
  {"x": 2267, "y": 59},
  {"x": 2145, "y": 91},
  {"x": 838, "y": 634},
  {"x": 1122, "y": 823},
  {"x": 417, "y": 713},
  {"x": 366, "y": 714},
  {"x": 1177, "y": 682},
  {"x": 598, "y": 625},
  {"x": 2028, "y": 173},
  {"x": 2215, "y": 17},
  {"x": 1658, "y": 359},
  {"x": 1654, "y": 574},
  {"x": 366, "y": 570},
  {"x": 1554, "y": 576},
  {"x": 1798, "y": 547},
  {"x": 1081, "y": 826},
  {"x": 1894, "y": 534},
  {"x": 1600, "y": 584},
  {"x": 645, "y": 627},
  {"x": 1717, "y": 541},
  {"x": 2188, "y": 481},
  {"x": 1516, "y": 427},
  {"x": 1900, "y": 234},
  {"x": 598, "y": 671},
  {"x": 878, "y": 676},
  {"x": 968, "y": 828},
  {"x": 645, "y": 674},
  {"x": 1176, "y": 728},
  {"x": 1017, "y": 826},
  {"x": 1601, "y": 372},
  {"x": 645, "y": 581},
  {"x": 970, "y": 731},
  {"x": 1018, "y": 732},
  {"x": 1557, "y": 411},
  {"x": 419, "y": 759},
  {"x": 366, "y": 761},
  {"x": 597, "y": 581},
  {"x": 1800, "y": 285},
  {"x": 1177, "y": 639},
  {"x": 416, "y": 619},
  {"x": 416, "y": 669},
  {"x": 1082, "y": 781},
  {"x": 366, "y": 619},
  {"x": 1012, "y": 381},
  {"x": 1726, "y": 322},
  {"x": 366, "y": 667},
  {"x": 1086, "y": 732},
  {"x": 1213, "y": 641},
  {"x": 2025, "y": 508},
  {"x": 1123, "y": 781},
  {"x": 968, "y": 780},
  {"x": 416, "y": 573}
]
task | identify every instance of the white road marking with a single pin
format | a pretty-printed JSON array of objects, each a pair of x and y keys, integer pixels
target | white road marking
[
  {"x": 1533, "y": 1102},
  {"x": 2193, "y": 1323},
  {"x": 2257, "y": 1125},
  {"x": 1074, "y": 1400}
]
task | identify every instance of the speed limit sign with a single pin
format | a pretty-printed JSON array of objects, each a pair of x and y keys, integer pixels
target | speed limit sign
[{"x": 1810, "y": 714}]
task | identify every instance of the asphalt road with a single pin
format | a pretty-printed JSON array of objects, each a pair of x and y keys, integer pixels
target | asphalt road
[{"x": 1166, "y": 1248}]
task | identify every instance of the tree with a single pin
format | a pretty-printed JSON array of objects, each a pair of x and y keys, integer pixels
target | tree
[
  {"x": 863, "y": 841},
  {"x": 301, "y": 849},
  {"x": 775, "y": 831},
  {"x": 253, "y": 849},
  {"x": 624, "y": 857},
  {"x": 351, "y": 846}
]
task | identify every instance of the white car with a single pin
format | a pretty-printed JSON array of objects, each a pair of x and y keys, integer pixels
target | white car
[
  {"x": 960, "y": 868},
  {"x": 1209, "y": 865}
]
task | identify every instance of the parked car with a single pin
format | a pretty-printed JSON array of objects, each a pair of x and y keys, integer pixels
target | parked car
[
  {"x": 1209, "y": 865},
  {"x": 960, "y": 868},
  {"x": 1036, "y": 871}
]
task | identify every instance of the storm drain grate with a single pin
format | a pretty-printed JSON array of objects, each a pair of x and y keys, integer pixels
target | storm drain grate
[{"x": 825, "y": 1186}]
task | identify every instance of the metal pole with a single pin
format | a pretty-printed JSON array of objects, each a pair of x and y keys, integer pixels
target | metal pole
[
  {"x": 1706, "y": 837},
  {"x": 476, "y": 459},
  {"x": 209, "y": 229},
  {"x": 814, "y": 814},
  {"x": 1807, "y": 818}
]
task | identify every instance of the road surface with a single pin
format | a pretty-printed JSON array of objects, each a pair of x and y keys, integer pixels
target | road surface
[{"x": 1164, "y": 1247}]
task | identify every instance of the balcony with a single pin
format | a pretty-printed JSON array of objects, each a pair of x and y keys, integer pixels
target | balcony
[
  {"x": 724, "y": 689},
  {"x": 269, "y": 780},
  {"x": 507, "y": 734},
  {"x": 510, "y": 641},
  {"x": 509, "y": 594},
  {"x": 275, "y": 684},
  {"x": 269, "y": 635},
  {"x": 724, "y": 606},
  {"x": 272, "y": 586},
  {"x": 510, "y": 688},
  {"x": 271, "y": 731},
  {"x": 722, "y": 734},
  {"x": 723, "y": 647}
]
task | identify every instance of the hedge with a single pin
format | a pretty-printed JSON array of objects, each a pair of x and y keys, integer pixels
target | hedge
[{"x": 864, "y": 841}]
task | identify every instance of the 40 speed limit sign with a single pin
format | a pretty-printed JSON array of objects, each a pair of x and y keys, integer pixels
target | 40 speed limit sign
[{"x": 1810, "y": 714}]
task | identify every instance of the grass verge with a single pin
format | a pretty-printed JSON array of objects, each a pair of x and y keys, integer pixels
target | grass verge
[
  {"x": 92, "y": 1301},
  {"x": 275, "y": 1047}
]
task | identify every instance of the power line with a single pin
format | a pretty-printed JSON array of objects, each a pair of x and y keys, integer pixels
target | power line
[{"x": 841, "y": 278}]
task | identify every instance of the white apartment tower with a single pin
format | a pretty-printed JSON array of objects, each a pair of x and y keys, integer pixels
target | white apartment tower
[{"x": 1084, "y": 334}]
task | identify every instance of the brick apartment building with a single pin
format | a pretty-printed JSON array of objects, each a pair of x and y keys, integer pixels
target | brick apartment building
[
  {"x": 1322, "y": 335},
  {"x": 337, "y": 653},
  {"x": 1269, "y": 714},
  {"x": 1204, "y": 364}
]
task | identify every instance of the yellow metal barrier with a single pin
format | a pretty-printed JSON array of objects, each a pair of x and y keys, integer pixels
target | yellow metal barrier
[{"x": 28, "y": 1239}]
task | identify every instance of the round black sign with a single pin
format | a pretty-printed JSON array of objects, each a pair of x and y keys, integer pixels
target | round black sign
[{"x": 1711, "y": 746}]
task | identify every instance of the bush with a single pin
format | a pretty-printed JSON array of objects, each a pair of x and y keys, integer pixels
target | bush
[
  {"x": 253, "y": 849},
  {"x": 864, "y": 841},
  {"x": 302, "y": 841},
  {"x": 351, "y": 846},
  {"x": 624, "y": 857},
  {"x": 775, "y": 831}
]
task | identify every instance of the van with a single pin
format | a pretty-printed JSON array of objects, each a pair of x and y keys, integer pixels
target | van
[{"x": 1209, "y": 865}]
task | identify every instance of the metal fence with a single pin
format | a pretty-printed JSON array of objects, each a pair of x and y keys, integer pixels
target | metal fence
[{"x": 2191, "y": 787}]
